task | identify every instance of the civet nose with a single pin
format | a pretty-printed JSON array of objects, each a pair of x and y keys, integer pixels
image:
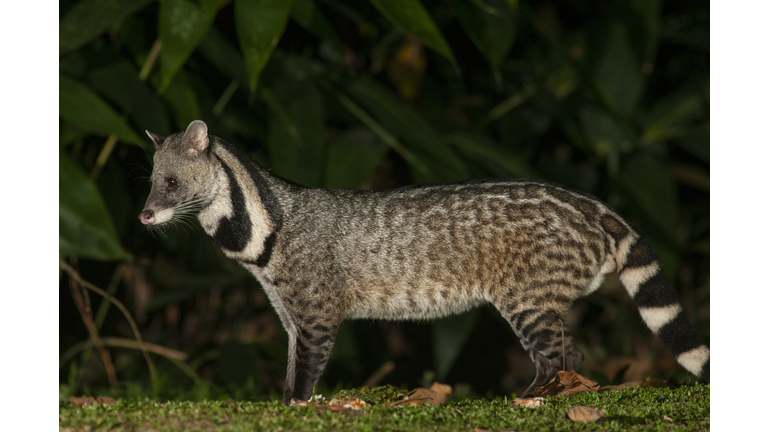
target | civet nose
[{"x": 147, "y": 217}]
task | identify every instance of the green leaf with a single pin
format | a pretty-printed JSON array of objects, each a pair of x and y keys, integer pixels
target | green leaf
[
  {"x": 259, "y": 25},
  {"x": 618, "y": 74},
  {"x": 490, "y": 26},
  {"x": 182, "y": 26},
  {"x": 87, "y": 111},
  {"x": 417, "y": 135},
  {"x": 380, "y": 131},
  {"x": 485, "y": 149},
  {"x": 411, "y": 16},
  {"x": 301, "y": 67},
  {"x": 296, "y": 132},
  {"x": 606, "y": 135},
  {"x": 352, "y": 158},
  {"x": 119, "y": 82},
  {"x": 182, "y": 99},
  {"x": 449, "y": 335},
  {"x": 85, "y": 227},
  {"x": 88, "y": 19},
  {"x": 223, "y": 56},
  {"x": 671, "y": 115}
]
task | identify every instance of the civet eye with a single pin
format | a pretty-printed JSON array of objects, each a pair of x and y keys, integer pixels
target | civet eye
[{"x": 171, "y": 184}]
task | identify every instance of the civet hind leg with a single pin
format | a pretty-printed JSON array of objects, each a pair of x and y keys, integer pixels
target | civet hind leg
[{"x": 540, "y": 326}]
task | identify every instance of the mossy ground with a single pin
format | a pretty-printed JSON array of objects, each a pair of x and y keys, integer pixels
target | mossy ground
[{"x": 628, "y": 409}]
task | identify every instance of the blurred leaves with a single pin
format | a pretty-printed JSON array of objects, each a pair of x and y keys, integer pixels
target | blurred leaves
[
  {"x": 490, "y": 25},
  {"x": 90, "y": 18},
  {"x": 224, "y": 56},
  {"x": 295, "y": 141},
  {"x": 441, "y": 162},
  {"x": 481, "y": 147},
  {"x": 119, "y": 83},
  {"x": 260, "y": 23},
  {"x": 85, "y": 227},
  {"x": 352, "y": 158},
  {"x": 411, "y": 16},
  {"x": 183, "y": 24},
  {"x": 618, "y": 72},
  {"x": 88, "y": 111}
]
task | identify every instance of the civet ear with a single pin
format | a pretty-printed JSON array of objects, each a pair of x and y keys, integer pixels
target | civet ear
[
  {"x": 195, "y": 139},
  {"x": 157, "y": 139}
]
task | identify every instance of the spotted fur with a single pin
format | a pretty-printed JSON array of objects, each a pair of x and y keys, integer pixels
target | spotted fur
[{"x": 529, "y": 248}]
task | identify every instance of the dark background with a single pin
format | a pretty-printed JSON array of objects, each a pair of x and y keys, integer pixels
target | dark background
[{"x": 607, "y": 97}]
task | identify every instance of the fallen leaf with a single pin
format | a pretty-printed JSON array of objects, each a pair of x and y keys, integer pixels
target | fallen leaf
[
  {"x": 584, "y": 414},
  {"x": 442, "y": 389},
  {"x": 633, "y": 369},
  {"x": 435, "y": 395},
  {"x": 566, "y": 383},
  {"x": 82, "y": 401},
  {"x": 106, "y": 400},
  {"x": 667, "y": 418},
  {"x": 533, "y": 402},
  {"x": 299, "y": 402},
  {"x": 332, "y": 407}
]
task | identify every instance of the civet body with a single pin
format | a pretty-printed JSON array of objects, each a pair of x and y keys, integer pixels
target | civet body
[{"x": 529, "y": 248}]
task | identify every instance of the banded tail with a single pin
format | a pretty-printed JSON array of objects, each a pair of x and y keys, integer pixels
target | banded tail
[{"x": 641, "y": 273}]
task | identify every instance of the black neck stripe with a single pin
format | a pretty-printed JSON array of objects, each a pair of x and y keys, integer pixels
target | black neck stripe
[{"x": 233, "y": 233}]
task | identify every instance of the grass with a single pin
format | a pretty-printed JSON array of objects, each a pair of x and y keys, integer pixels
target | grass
[{"x": 628, "y": 409}]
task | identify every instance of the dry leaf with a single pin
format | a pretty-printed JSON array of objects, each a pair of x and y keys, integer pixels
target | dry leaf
[
  {"x": 299, "y": 402},
  {"x": 409, "y": 402},
  {"x": 584, "y": 414},
  {"x": 634, "y": 369},
  {"x": 442, "y": 391},
  {"x": 533, "y": 402},
  {"x": 332, "y": 407},
  {"x": 566, "y": 383},
  {"x": 89, "y": 400},
  {"x": 667, "y": 418},
  {"x": 82, "y": 401},
  {"x": 437, "y": 394}
]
